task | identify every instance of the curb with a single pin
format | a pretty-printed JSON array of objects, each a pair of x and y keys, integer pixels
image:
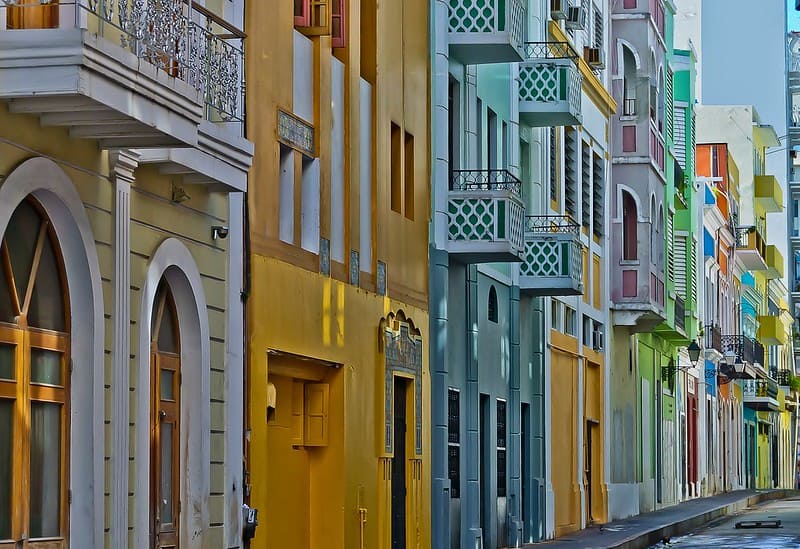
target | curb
[{"x": 643, "y": 540}]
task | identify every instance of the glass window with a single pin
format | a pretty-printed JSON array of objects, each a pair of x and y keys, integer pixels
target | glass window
[
  {"x": 6, "y": 438},
  {"x": 46, "y": 309},
  {"x": 45, "y": 476},
  {"x": 45, "y": 367},
  {"x": 6, "y": 361}
]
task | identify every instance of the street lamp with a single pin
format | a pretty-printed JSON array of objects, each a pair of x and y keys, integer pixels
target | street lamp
[{"x": 694, "y": 352}]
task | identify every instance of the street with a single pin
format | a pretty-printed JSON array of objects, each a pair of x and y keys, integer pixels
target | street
[{"x": 723, "y": 532}]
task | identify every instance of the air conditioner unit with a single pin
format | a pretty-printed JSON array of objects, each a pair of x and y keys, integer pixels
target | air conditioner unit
[
  {"x": 597, "y": 340},
  {"x": 594, "y": 57},
  {"x": 576, "y": 18},
  {"x": 559, "y": 9}
]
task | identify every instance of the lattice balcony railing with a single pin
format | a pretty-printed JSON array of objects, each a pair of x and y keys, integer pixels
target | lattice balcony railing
[
  {"x": 549, "y": 80},
  {"x": 553, "y": 249},
  {"x": 485, "y": 206},
  {"x": 488, "y": 17}
]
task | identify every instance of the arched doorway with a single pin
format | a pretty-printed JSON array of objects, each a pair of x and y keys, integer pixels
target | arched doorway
[
  {"x": 34, "y": 383},
  {"x": 165, "y": 407}
]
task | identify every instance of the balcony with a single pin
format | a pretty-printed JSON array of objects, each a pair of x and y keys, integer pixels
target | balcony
[
  {"x": 550, "y": 85},
  {"x": 486, "y": 216},
  {"x": 768, "y": 193},
  {"x": 131, "y": 74},
  {"x": 774, "y": 261},
  {"x": 751, "y": 249},
  {"x": 553, "y": 259},
  {"x": 713, "y": 341},
  {"x": 771, "y": 330},
  {"x": 487, "y": 31},
  {"x": 782, "y": 378},
  {"x": 746, "y": 348},
  {"x": 638, "y": 298},
  {"x": 761, "y": 394},
  {"x": 674, "y": 328}
]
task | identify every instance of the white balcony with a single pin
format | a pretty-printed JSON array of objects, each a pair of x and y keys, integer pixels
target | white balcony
[
  {"x": 486, "y": 216},
  {"x": 761, "y": 394},
  {"x": 130, "y": 74},
  {"x": 487, "y": 31}
]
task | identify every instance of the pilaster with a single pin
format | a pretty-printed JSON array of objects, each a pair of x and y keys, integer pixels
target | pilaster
[{"x": 123, "y": 164}]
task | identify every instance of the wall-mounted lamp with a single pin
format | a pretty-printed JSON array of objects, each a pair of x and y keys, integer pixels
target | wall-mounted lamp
[{"x": 219, "y": 231}]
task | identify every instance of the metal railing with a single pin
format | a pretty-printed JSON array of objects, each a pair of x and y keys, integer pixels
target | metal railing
[
  {"x": 713, "y": 335},
  {"x": 551, "y": 224},
  {"x": 760, "y": 388},
  {"x": 745, "y": 348},
  {"x": 550, "y": 50},
  {"x": 485, "y": 180},
  {"x": 680, "y": 313},
  {"x": 782, "y": 377},
  {"x": 182, "y": 38}
]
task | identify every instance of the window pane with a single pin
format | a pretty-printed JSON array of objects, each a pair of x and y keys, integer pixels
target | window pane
[
  {"x": 6, "y": 424},
  {"x": 6, "y": 361},
  {"x": 21, "y": 243},
  {"x": 167, "y": 384},
  {"x": 6, "y": 309},
  {"x": 166, "y": 473},
  {"x": 168, "y": 332},
  {"x": 45, "y": 367},
  {"x": 45, "y": 469},
  {"x": 47, "y": 302}
]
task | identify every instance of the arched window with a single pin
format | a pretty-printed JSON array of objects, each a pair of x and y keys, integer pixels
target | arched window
[
  {"x": 660, "y": 235},
  {"x": 629, "y": 82},
  {"x": 629, "y": 227},
  {"x": 653, "y": 231},
  {"x": 492, "y": 306},
  {"x": 165, "y": 420},
  {"x": 34, "y": 380}
]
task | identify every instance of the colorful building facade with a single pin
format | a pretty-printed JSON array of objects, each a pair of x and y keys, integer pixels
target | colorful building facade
[
  {"x": 338, "y": 401},
  {"x": 123, "y": 166}
]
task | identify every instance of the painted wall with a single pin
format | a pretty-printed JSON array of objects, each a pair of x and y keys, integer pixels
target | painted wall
[{"x": 154, "y": 218}]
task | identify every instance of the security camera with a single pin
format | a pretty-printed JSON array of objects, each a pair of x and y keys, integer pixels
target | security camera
[{"x": 219, "y": 231}]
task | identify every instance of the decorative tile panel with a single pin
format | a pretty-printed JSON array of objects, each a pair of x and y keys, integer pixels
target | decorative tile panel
[
  {"x": 324, "y": 256},
  {"x": 296, "y": 133},
  {"x": 402, "y": 348},
  {"x": 381, "y": 278}
]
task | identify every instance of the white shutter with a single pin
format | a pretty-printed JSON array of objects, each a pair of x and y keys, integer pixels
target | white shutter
[{"x": 680, "y": 136}]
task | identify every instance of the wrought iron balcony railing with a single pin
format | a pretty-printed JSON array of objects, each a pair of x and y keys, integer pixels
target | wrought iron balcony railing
[
  {"x": 551, "y": 224},
  {"x": 760, "y": 388},
  {"x": 184, "y": 39},
  {"x": 746, "y": 348},
  {"x": 782, "y": 377},
  {"x": 550, "y": 85},
  {"x": 485, "y": 180},
  {"x": 713, "y": 335}
]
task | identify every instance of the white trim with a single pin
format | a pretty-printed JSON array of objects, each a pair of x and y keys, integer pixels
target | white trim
[
  {"x": 173, "y": 261},
  {"x": 234, "y": 375},
  {"x": 54, "y": 190}
]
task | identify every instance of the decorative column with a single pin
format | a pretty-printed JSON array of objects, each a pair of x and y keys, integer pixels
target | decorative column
[{"x": 123, "y": 164}]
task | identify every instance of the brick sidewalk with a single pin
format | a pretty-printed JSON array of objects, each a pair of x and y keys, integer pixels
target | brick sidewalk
[{"x": 649, "y": 528}]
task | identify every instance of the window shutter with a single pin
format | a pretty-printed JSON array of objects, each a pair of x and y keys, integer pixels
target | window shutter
[
  {"x": 669, "y": 105},
  {"x": 628, "y": 138},
  {"x": 586, "y": 186},
  {"x": 570, "y": 175},
  {"x": 338, "y": 24},
  {"x": 680, "y": 265},
  {"x": 691, "y": 271},
  {"x": 680, "y": 136},
  {"x": 298, "y": 404},
  {"x": 670, "y": 244},
  {"x": 598, "y": 195},
  {"x": 316, "y": 417},
  {"x": 302, "y": 13}
]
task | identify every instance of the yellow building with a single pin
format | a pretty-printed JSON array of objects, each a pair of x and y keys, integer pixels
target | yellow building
[{"x": 338, "y": 381}]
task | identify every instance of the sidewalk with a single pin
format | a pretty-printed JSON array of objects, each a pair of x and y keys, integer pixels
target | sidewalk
[{"x": 649, "y": 528}]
